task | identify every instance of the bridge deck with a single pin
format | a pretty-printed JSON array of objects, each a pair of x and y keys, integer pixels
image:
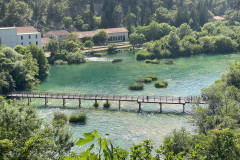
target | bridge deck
[{"x": 139, "y": 99}]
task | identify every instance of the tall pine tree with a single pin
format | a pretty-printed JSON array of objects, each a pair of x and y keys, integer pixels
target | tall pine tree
[{"x": 108, "y": 20}]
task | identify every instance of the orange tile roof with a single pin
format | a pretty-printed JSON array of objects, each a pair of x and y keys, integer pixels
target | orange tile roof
[
  {"x": 108, "y": 30},
  {"x": 29, "y": 29},
  {"x": 86, "y": 34},
  {"x": 45, "y": 41},
  {"x": 58, "y": 32},
  {"x": 218, "y": 18},
  {"x": 116, "y": 30}
]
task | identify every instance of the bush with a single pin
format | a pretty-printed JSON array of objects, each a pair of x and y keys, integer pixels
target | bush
[
  {"x": 140, "y": 80},
  {"x": 155, "y": 61},
  {"x": 88, "y": 44},
  {"x": 59, "y": 118},
  {"x": 154, "y": 78},
  {"x": 60, "y": 62},
  {"x": 143, "y": 55},
  {"x": 106, "y": 105},
  {"x": 161, "y": 84},
  {"x": 79, "y": 119},
  {"x": 148, "y": 80},
  {"x": 112, "y": 49},
  {"x": 136, "y": 86},
  {"x": 96, "y": 104}
]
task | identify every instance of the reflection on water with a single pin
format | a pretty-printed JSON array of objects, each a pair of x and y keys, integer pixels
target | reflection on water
[{"x": 186, "y": 77}]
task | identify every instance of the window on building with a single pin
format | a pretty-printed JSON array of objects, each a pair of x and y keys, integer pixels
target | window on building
[
  {"x": 22, "y": 43},
  {"x": 110, "y": 38},
  {"x": 21, "y": 37},
  {"x": 37, "y": 43},
  {"x": 36, "y": 36},
  {"x": 30, "y": 43},
  {"x": 29, "y": 36}
]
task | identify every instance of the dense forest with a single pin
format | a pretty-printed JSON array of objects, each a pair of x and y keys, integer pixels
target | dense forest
[{"x": 90, "y": 14}]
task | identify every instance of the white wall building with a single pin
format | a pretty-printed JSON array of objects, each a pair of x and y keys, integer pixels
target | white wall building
[
  {"x": 115, "y": 34},
  {"x": 12, "y": 36}
]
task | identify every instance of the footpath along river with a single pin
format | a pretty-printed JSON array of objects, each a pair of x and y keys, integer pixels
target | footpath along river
[{"x": 187, "y": 76}]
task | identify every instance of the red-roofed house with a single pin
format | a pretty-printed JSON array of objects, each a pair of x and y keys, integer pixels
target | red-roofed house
[
  {"x": 115, "y": 34},
  {"x": 44, "y": 42},
  {"x": 59, "y": 35},
  {"x": 12, "y": 36},
  {"x": 28, "y": 35},
  {"x": 218, "y": 18}
]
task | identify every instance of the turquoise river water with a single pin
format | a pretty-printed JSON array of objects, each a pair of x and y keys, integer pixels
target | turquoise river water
[{"x": 186, "y": 77}]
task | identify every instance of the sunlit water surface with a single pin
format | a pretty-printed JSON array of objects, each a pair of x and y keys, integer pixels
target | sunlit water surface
[{"x": 186, "y": 77}]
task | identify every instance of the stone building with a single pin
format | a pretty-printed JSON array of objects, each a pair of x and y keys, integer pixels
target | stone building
[
  {"x": 59, "y": 35},
  {"x": 12, "y": 36},
  {"x": 115, "y": 34}
]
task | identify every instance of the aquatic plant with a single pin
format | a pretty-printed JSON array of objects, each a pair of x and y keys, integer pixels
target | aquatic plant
[
  {"x": 78, "y": 119},
  {"x": 161, "y": 84},
  {"x": 136, "y": 86}
]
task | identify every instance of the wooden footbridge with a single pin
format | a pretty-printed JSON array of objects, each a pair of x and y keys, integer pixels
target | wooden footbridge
[{"x": 139, "y": 99}]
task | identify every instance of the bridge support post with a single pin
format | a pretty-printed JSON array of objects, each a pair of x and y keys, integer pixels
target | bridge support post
[
  {"x": 119, "y": 105},
  {"x": 46, "y": 101},
  {"x": 64, "y": 102},
  {"x": 140, "y": 106},
  {"x": 95, "y": 101},
  {"x": 107, "y": 101},
  {"x": 28, "y": 101},
  {"x": 160, "y": 107},
  {"x": 184, "y": 108},
  {"x": 79, "y": 103}
]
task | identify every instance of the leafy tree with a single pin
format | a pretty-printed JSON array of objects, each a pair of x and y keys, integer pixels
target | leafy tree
[
  {"x": 72, "y": 37},
  {"x": 16, "y": 13},
  {"x": 88, "y": 44},
  {"x": 184, "y": 30},
  {"x": 173, "y": 42},
  {"x": 78, "y": 22},
  {"x": 108, "y": 20},
  {"x": 42, "y": 61},
  {"x": 52, "y": 46},
  {"x": 70, "y": 46},
  {"x": 100, "y": 37},
  {"x": 75, "y": 58},
  {"x": 67, "y": 21},
  {"x": 39, "y": 140},
  {"x": 135, "y": 39}
]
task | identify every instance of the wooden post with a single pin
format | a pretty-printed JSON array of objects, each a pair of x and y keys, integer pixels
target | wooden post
[
  {"x": 64, "y": 102},
  {"x": 95, "y": 101},
  {"x": 160, "y": 107},
  {"x": 107, "y": 101},
  {"x": 79, "y": 103},
  {"x": 140, "y": 106},
  {"x": 183, "y": 107},
  {"x": 28, "y": 101},
  {"x": 119, "y": 105},
  {"x": 46, "y": 101}
]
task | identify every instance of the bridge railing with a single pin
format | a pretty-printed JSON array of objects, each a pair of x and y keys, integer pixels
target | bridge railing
[{"x": 155, "y": 99}]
